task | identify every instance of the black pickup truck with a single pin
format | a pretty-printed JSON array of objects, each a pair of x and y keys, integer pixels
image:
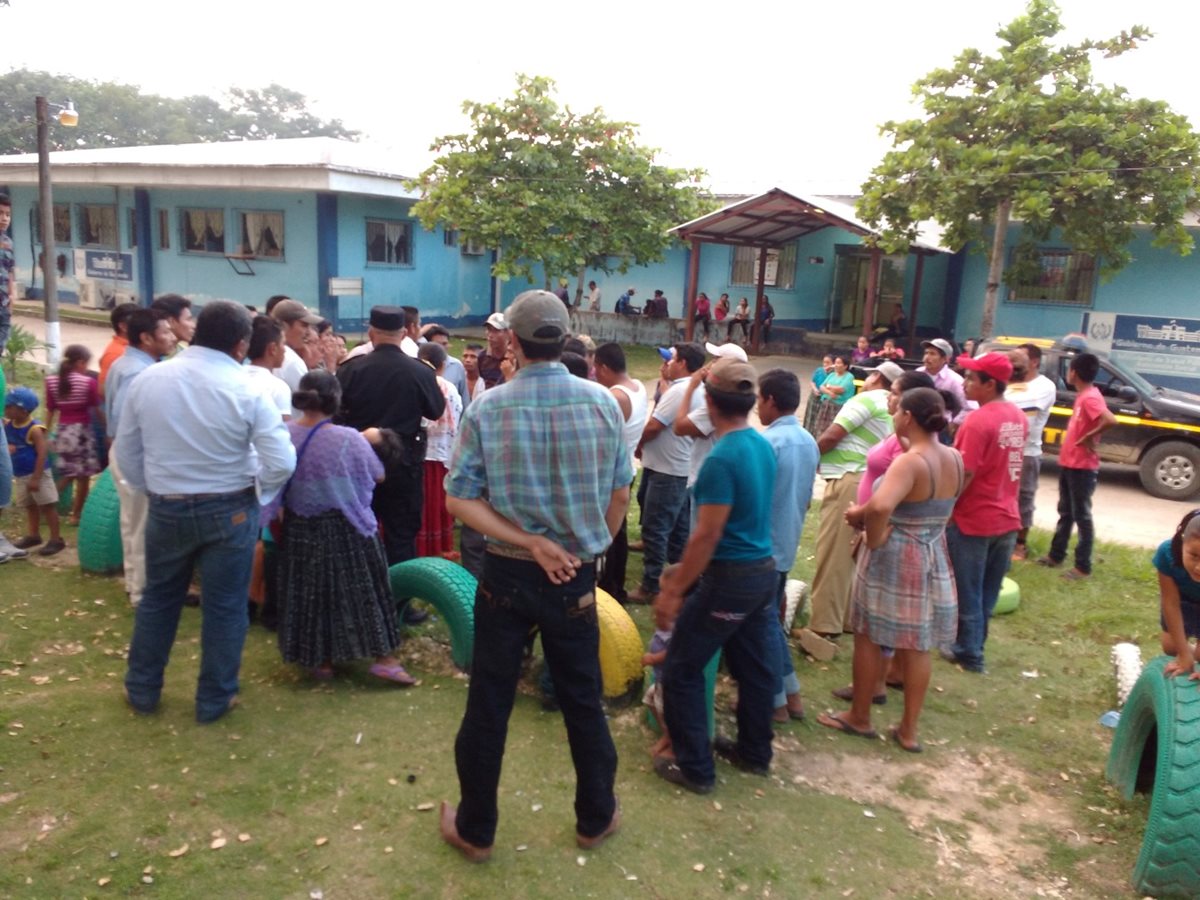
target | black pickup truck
[{"x": 1157, "y": 430}]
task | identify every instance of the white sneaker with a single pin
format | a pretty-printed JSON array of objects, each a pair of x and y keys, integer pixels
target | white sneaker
[
  {"x": 9, "y": 551},
  {"x": 3, "y": 558}
]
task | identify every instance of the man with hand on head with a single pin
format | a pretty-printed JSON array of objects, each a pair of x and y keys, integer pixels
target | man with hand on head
[
  {"x": 540, "y": 468},
  {"x": 297, "y": 322}
]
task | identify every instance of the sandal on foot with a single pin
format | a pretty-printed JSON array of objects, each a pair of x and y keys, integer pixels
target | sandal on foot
[
  {"x": 394, "y": 673},
  {"x": 321, "y": 673},
  {"x": 894, "y": 734},
  {"x": 1075, "y": 575},
  {"x": 1049, "y": 562},
  {"x": 847, "y": 693},
  {"x": 837, "y": 723}
]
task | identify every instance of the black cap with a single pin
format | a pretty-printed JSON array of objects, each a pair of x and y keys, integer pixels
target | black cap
[{"x": 387, "y": 318}]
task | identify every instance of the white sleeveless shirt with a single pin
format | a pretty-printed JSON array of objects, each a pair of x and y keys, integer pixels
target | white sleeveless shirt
[{"x": 639, "y": 405}]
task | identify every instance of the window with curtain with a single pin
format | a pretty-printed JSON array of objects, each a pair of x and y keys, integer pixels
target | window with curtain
[
  {"x": 202, "y": 230},
  {"x": 262, "y": 234},
  {"x": 1057, "y": 276},
  {"x": 389, "y": 243},
  {"x": 97, "y": 225},
  {"x": 62, "y": 222},
  {"x": 164, "y": 229},
  {"x": 780, "y": 271}
]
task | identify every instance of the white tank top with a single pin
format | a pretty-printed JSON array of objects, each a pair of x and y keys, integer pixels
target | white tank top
[{"x": 636, "y": 423}]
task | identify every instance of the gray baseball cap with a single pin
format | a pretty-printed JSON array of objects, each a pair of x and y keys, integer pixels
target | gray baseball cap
[
  {"x": 941, "y": 345},
  {"x": 539, "y": 317}
]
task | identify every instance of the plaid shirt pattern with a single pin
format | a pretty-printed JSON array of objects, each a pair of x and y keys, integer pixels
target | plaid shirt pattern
[{"x": 546, "y": 448}]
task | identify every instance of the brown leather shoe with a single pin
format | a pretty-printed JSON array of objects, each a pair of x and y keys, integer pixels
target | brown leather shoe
[
  {"x": 451, "y": 836},
  {"x": 591, "y": 843}
]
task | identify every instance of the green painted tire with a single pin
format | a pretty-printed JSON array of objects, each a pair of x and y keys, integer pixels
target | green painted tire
[
  {"x": 1009, "y": 599},
  {"x": 450, "y": 589},
  {"x": 1156, "y": 748},
  {"x": 99, "y": 540},
  {"x": 710, "y": 696},
  {"x": 66, "y": 498}
]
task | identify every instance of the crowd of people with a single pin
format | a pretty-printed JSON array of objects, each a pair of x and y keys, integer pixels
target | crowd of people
[{"x": 221, "y": 425}]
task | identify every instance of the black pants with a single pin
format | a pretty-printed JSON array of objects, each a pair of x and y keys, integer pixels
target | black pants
[
  {"x": 612, "y": 573},
  {"x": 397, "y": 503},
  {"x": 514, "y": 596}
]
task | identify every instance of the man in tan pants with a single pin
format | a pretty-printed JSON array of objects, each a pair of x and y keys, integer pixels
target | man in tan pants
[
  {"x": 862, "y": 422},
  {"x": 150, "y": 339}
]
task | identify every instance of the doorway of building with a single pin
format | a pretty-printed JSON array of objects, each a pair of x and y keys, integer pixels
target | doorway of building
[{"x": 851, "y": 278}]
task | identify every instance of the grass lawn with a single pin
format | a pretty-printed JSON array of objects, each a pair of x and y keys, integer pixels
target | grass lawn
[{"x": 333, "y": 787}]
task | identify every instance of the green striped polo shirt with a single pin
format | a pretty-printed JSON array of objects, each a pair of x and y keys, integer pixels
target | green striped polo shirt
[{"x": 867, "y": 421}]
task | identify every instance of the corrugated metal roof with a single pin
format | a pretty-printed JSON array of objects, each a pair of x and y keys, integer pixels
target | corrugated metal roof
[{"x": 778, "y": 217}]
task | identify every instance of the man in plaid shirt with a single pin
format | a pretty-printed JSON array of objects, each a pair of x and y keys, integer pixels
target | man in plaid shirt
[{"x": 546, "y": 451}]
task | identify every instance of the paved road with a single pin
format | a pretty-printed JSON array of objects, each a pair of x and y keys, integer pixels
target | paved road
[{"x": 1124, "y": 512}]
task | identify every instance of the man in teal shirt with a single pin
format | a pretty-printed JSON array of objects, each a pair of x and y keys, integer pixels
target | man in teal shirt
[{"x": 728, "y": 559}]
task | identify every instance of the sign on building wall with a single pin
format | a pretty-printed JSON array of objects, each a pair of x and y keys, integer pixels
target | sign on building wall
[
  {"x": 109, "y": 264},
  {"x": 1164, "y": 350}
]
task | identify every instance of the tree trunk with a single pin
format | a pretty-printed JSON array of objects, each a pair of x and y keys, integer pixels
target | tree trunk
[
  {"x": 995, "y": 270},
  {"x": 579, "y": 288}
]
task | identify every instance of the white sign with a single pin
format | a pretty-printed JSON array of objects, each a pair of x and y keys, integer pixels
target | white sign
[{"x": 345, "y": 287}]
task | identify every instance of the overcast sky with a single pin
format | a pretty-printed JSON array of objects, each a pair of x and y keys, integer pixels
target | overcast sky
[{"x": 773, "y": 93}]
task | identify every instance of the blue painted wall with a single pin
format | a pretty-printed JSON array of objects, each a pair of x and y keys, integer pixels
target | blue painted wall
[{"x": 1158, "y": 281}]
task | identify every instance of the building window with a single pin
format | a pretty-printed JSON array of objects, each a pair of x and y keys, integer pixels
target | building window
[
  {"x": 1053, "y": 275},
  {"x": 450, "y": 237},
  {"x": 780, "y": 272},
  {"x": 202, "y": 230},
  {"x": 133, "y": 229},
  {"x": 389, "y": 243},
  {"x": 262, "y": 234},
  {"x": 62, "y": 223},
  {"x": 97, "y": 225},
  {"x": 164, "y": 229}
]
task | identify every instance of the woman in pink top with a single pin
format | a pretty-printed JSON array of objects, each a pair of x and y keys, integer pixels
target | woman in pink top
[{"x": 74, "y": 398}]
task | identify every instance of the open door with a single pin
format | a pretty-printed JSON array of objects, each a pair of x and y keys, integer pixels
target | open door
[{"x": 851, "y": 277}]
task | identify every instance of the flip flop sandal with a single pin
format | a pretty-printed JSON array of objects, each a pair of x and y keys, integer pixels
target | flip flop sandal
[
  {"x": 829, "y": 720},
  {"x": 847, "y": 693},
  {"x": 1074, "y": 575},
  {"x": 894, "y": 734},
  {"x": 394, "y": 673}
]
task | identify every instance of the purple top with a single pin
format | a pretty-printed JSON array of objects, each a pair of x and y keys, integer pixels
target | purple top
[{"x": 337, "y": 471}]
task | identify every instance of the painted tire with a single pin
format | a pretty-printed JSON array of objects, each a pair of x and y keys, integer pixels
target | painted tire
[
  {"x": 450, "y": 589},
  {"x": 710, "y": 696},
  {"x": 1156, "y": 747},
  {"x": 620, "y": 652},
  {"x": 66, "y": 498},
  {"x": 1009, "y": 599},
  {"x": 99, "y": 540}
]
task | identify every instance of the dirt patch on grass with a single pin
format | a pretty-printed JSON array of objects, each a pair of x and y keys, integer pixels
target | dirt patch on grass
[{"x": 980, "y": 812}]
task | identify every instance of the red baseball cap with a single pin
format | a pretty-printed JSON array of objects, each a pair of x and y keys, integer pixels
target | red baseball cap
[{"x": 995, "y": 365}]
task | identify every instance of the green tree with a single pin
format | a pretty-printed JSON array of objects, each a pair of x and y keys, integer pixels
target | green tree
[
  {"x": 122, "y": 115},
  {"x": 550, "y": 186},
  {"x": 1027, "y": 134}
]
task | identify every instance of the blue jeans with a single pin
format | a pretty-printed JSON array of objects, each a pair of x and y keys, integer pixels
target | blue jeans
[
  {"x": 1075, "y": 489},
  {"x": 513, "y": 596},
  {"x": 216, "y": 535},
  {"x": 664, "y": 524},
  {"x": 732, "y": 606},
  {"x": 787, "y": 683},
  {"x": 980, "y": 564}
]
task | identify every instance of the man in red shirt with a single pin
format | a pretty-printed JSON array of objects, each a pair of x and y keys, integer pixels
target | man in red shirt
[
  {"x": 1078, "y": 465},
  {"x": 983, "y": 528}
]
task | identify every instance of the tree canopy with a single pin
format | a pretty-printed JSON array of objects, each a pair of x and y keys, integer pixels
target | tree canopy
[
  {"x": 550, "y": 186},
  {"x": 122, "y": 115},
  {"x": 1028, "y": 133}
]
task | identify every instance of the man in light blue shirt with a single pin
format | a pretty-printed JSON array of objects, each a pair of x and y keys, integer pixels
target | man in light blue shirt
[
  {"x": 187, "y": 428},
  {"x": 150, "y": 339},
  {"x": 796, "y": 458}
]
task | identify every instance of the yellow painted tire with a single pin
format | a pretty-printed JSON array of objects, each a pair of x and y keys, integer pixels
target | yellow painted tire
[{"x": 620, "y": 652}]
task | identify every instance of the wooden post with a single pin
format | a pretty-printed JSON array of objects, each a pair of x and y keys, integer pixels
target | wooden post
[
  {"x": 916, "y": 304},
  {"x": 689, "y": 303},
  {"x": 762, "y": 277},
  {"x": 868, "y": 325}
]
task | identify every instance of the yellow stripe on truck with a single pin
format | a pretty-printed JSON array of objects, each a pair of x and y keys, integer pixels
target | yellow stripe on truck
[{"x": 1134, "y": 420}]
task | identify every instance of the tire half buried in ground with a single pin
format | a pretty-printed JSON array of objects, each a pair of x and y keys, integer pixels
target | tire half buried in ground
[
  {"x": 448, "y": 588},
  {"x": 99, "y": 540},
  {"x": 1156, "y": 749},
  {"x": 620, "y": 651}
]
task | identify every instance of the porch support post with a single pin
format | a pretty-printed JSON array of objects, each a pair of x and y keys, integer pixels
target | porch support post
[
  {"x": 762, "y": 278},
  {"x": 872, "y": 290},
  {"x": 689, "y": 306},
  {"x": 916, "y": 304}
]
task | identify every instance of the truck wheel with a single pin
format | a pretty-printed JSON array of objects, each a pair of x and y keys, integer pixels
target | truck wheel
[
  {"x": 1171, "y": 470},
  {"x": 450, "y": 589},
  {"x": 1156, "y": 748}
]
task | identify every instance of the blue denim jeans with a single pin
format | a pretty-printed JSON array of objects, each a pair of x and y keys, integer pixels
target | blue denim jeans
[
  {"x": 980, "y": 564},
  {"x": 1075, "y": 489},
  {"x": 513, "y": 596},
  {"x": 788, "y": 683},
  {"x": 217, "y": 536},
  {"x": 731, "y": 607},
  {"x": 664, "y": 524}
]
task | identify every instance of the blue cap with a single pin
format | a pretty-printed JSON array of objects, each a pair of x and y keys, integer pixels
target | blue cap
[
  {"x": 666, "y": 353},
  {"x": 23, "y": 398}
]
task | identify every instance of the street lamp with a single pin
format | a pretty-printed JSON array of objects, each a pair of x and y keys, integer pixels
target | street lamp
[{"x": 68, "y": 117}]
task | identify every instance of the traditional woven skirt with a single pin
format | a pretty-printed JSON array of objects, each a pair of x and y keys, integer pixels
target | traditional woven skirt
[
  {"x": 76, "y": 449},
  {"x": 820, "y": 415},
  {"x": 333, "y": 586},
  {"x": 437, "y": 525}
]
